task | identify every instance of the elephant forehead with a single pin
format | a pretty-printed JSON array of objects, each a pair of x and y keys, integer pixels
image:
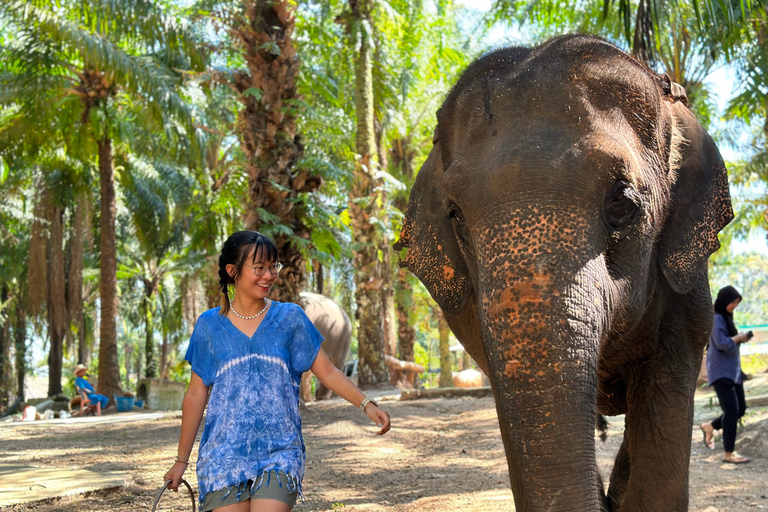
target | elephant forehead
[{"x": 551, "y": 101}]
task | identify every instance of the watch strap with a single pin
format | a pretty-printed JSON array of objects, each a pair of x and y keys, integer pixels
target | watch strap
[{"x": 365, "y": 402}]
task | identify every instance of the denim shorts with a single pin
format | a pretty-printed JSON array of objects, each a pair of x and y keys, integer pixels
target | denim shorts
[{"x": 274, "y": 487}]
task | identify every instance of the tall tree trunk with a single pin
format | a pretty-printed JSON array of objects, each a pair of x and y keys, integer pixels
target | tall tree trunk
[
  {"x": 164, "y": 350},
  {"x": 58, "y": 322},
  {"x": 77, "y": 241},
  {"x": 387, "y": 271},
  {"x": 266, "y": 127},
  {"x": 363, "y": 206},
  {"x": 466, "y": 360},
  {"x": 388, "y": 302},
  {"x": 37, "y": 281},
  {"x": 406, "y": 334},
  {"x": 643, "y": 41},
  {"x": 5, "y": 351},
  {"x": 150, "y": 354},
  {"x": 127, "y": 363},
  {"x": 109, "y": 368},
  {"x": 20, "y": 346},
  {"x": 212, "y": 287},
  {"x": 444, "y": 335},
  {"x": 189, "y": 293},
  {"x": 401, "y": 161},
  {"x": 319, "y": 278}
]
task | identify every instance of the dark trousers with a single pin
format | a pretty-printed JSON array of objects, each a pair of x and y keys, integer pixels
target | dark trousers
[{"x": 731, "y": 398}]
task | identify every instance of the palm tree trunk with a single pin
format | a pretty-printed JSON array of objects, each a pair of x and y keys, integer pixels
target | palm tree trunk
[
  {"x": 363, "y": 206},
  {"x": 37, "y": 280},
  {"x": 150, "y": 354},
  {"x": 387, "y": 271},
  {"x": 406, "y": 334},
  {"x": 20, "y": 346},
  {"x": 109, "y": 369},
  {"x": 266, "y": 128},
  {"x": 388, "y": 302},
  {"x": 643, "y": 41},
  {"x": 57, "y": 305},
  {"x": 402, "y": 155},
  {"x": 164, "y": 349},
  {"x": 5, "y": 353},
  {"x": 77, "y": 240}
]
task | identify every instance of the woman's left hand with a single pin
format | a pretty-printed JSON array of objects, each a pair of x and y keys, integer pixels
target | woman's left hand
[{"x": 378, "y": 416}]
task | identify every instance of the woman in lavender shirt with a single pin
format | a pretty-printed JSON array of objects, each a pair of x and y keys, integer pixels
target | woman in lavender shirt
[
  {"x": 250, "y": 353},
  {"x": 724, "y": 373}
]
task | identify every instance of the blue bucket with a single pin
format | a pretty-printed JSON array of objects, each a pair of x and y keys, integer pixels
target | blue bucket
[
  {"x": 139, "y": 403},
  {"x": 124, "y": 403}
]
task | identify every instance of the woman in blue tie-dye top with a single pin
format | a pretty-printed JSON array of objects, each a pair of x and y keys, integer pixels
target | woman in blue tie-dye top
[{"x": 250, "y": 353}]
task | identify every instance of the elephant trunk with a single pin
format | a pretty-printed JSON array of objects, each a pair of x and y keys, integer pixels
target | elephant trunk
[{"x": 537, "y": 314}]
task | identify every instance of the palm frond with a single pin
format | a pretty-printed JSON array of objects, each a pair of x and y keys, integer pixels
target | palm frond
[{"x": 141, "y": 75}]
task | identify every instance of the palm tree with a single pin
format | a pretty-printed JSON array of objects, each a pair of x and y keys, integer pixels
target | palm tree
[
  {"x": 262, "y": 30},
  {"x": 157, "y": 197},
  {"x": 14, "y": 247},
  {"x": 88, "y": 65},
  {"x": 364, "y": 204},
  {"x": 425, "y": 52}
]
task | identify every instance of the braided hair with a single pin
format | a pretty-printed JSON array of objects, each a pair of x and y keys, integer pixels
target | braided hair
[{"x": 234, "y": 252}]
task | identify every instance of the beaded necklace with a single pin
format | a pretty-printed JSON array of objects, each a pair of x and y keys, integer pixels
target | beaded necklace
[{"x": 266, "y": 305}]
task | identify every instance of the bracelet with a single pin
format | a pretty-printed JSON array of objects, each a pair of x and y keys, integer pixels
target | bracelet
[{"x": 182, "y": 460}]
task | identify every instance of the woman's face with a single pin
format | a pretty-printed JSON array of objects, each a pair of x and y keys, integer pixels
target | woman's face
[
  {"x": 249, "y": 282},
  {"x": 730, "y": 307}
]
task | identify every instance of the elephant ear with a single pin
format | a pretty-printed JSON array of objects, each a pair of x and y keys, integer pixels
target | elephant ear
[
  {"x": 700, "y": 205},
  {"x": 434, "y": 255}
]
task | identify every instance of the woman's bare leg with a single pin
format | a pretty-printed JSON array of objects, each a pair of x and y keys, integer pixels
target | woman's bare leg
[
  {"x": 269, "y": 506},
  {"x": 243, "y": 506}
]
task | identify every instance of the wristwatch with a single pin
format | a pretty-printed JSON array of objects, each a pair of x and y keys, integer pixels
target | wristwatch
[{"x": 365, "y": 402}]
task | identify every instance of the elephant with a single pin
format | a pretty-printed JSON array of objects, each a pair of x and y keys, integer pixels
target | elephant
[
  {"x": 562, "y": 221},
  {"x": 334, "y": 324}
]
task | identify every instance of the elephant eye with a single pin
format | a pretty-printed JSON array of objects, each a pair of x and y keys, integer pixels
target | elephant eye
[
  {"x": 455, "y": 213},
  {"x": 621, "y": 204}
]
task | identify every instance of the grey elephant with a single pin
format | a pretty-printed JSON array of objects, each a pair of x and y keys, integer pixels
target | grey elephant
[
  {"x": 334, "y": 324},
  {"x": 563, "y": 221}
]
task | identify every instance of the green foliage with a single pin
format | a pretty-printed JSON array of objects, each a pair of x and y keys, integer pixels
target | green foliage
[
  {"x": 748, "y": 273},
  {"x": 754, "y": 363}
]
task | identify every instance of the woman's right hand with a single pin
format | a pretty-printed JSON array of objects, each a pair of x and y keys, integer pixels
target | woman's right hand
[{"x": 174, "y": 475}]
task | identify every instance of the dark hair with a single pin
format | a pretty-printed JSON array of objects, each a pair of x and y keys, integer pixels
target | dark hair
[
  {"x": 724, "y": 297},
  {"x": 235, "y": 251}
]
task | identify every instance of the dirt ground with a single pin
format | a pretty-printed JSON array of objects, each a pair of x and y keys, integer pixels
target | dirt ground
[{"x": 441, "y": 455}]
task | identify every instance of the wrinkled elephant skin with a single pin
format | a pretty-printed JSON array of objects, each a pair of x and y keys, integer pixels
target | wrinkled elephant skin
[
  {"x": 563, "y": 221},
  {"x": 335, "y": 327}
]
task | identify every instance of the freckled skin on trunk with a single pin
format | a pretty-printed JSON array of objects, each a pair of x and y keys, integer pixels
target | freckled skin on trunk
[{"x": 542, "y": 365}]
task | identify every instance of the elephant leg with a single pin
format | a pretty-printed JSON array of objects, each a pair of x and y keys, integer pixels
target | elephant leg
[
  {"x": 305, "y": 387},
  {"x": 322, "y": 392},
  {"x": 619, "y": 476},
  {"x": 657, "y": 443}
]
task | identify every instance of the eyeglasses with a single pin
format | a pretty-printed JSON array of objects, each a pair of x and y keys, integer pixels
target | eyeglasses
[{"x": 260, "y": 269}]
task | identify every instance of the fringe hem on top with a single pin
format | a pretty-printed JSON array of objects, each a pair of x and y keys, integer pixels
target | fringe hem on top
[{"x": 293, "y": 484}]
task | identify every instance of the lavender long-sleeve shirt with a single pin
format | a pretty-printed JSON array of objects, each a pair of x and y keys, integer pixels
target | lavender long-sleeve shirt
[{"x": 723, "y": 357}]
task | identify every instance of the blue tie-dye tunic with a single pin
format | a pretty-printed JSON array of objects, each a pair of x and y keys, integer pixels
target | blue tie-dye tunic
[{"x": 252, "y": 425}]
